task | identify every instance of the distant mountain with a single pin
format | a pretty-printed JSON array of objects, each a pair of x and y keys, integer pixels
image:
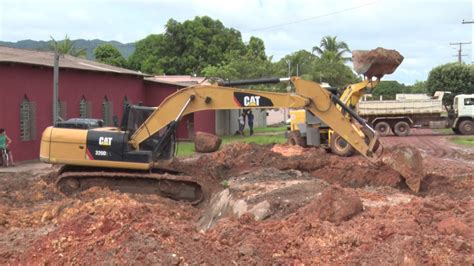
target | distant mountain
[{"x": 125, "y": 49}]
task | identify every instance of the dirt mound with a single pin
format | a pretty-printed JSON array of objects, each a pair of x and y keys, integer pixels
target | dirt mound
[
  {"x": 336, "y": 205},
  {"x": 291, "y": 215},
  {"x": 389, "y": 235}
]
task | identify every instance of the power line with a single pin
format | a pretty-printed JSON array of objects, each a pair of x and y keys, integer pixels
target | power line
[
  {"x": 467, "y": 22},
  {"x": 460, "y": 55},
  {"x": 311, "y": 18}
]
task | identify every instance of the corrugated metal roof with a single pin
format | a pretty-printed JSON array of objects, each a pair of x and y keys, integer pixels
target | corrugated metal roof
[
  {"x": 178, "y": 80},
  {"x": 31, "y": 57}
]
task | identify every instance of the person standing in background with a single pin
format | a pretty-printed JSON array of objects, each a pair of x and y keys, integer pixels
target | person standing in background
[
  {"x": 241, "y": 120},
  {"x": 250, "y": 121},
  {"x": 5, "y": 141}
]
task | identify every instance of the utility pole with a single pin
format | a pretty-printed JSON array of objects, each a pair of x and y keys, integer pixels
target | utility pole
[
  {"x": 55, "y": 86},
  {"x": 289, "y": 67},
  {"x": 460, "y": 55}
]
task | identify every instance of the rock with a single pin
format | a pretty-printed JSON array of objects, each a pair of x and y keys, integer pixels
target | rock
[
  {"x": 455, "y": 226},
  {"x": 205, "y": 142},
  {"x": 261, "y": 210},
  {"x": 377, "y": 62},
  {"x": 47, "y": 216},
  {"x": 246, "y": 250},
  {"x": 337, "y": 204}
]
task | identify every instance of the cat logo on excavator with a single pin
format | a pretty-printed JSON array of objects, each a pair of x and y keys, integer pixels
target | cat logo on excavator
[
  {"x": 105, "y": 141},
  {"x": 252, "y": 101}
]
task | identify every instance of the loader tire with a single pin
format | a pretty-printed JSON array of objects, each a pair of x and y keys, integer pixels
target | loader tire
[
  {"x": 401, "y": 129},
  {"x": 466, "y": 127},
  {"x": 295, "y": 138},
  {"x": 340, "y": 146},
  {"x": 382, "y": 128}
]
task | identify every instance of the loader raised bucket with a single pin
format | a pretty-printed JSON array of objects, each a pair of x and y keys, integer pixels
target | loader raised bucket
[{"x": 377, "y": 62}]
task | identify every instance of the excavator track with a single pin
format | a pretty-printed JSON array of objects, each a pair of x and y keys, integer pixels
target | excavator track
[{"x": 176, "y": 187}]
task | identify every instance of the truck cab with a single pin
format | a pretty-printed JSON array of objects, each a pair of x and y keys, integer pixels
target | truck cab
[{"x": 463, "y": 106}]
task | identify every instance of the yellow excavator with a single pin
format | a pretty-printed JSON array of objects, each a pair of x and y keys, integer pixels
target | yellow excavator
[
  {"x": 131, "y": 153},
  {"x": 307, "y": 130}
]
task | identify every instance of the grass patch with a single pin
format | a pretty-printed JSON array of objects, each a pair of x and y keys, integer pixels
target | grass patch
[
  {"x": 466, "y": 141},
  {"x": 187, "y": 148}
]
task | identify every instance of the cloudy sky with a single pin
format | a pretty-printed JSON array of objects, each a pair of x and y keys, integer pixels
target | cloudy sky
[{"x": 421, "y": 30}]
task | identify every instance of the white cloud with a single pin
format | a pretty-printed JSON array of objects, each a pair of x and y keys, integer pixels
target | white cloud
[{"x": 420, "y": 30}]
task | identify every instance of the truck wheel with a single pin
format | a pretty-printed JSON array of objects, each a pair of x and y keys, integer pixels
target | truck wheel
[
  {"x": 295, "y": 138},
  {"x": 401, "y": 129},
  {"x": 466, "y": 127},
  {"x": 382, "y": 128},
  {"x": 340, "y": 146}
]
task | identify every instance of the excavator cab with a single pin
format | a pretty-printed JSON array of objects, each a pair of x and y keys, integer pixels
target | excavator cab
[{"x": 161, "y": 144}]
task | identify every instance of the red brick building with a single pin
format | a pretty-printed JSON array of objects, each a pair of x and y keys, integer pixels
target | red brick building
[{"x": 86, "y": 89}]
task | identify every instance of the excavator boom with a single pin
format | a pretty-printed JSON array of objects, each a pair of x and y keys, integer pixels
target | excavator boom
[{"x": 308, "y": 95}]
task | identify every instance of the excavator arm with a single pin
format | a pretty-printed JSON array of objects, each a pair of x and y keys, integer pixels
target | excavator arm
[{"x": 308, "y": 95}]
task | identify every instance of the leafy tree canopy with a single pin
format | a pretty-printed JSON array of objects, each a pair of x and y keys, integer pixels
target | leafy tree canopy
[
  {"x": 455, "y": 77},
  {"x": 110, "y": 55},
  {"x": 388, "y": 89},
  {"x": 187, "y": 48}
]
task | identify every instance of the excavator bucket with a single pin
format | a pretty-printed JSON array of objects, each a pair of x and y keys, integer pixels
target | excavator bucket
[
  {"x": 407, "y": 161},
  {"x": 377, "y": 62}
]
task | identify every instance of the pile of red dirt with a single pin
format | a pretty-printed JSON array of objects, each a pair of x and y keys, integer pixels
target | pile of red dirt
[{"x": 366, "y": 216}]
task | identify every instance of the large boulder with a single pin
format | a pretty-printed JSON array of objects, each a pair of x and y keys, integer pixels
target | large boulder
[{"x": 205, "y": 142}]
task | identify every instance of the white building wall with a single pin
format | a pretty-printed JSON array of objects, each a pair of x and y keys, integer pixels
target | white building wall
[
  {"x": 227, "y": 121},
  {"x": 277, "y": 116}
]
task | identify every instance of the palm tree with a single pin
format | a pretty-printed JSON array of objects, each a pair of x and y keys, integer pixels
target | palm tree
[
  {"x": 332, "y": 50},
  {"x": 66, "y": 46}
]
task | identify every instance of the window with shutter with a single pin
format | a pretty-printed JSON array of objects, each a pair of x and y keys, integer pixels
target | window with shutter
[
  {"x": 107, "y": 112},
  {"x": 27, "y": 119},
  {"x": 85, "y": 108}
]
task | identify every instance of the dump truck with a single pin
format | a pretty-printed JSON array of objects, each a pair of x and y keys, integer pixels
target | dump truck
[{"x": 398, "y": 116}]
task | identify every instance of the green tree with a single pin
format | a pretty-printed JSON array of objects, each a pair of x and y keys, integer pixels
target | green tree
[
  {"x": 418, "y": 87},
  {"x": 187, "y": 48},
  {"x": 300, "y": 61},
  {"x": 455, "y": 77},
  {"x": 66, "y": 46},
  {"x": 108, "y": 54},
  {"x": 388, "y": 89},
  {"x": 147, "y": 56},
  {"x": 252, "y": 63},
  {"x": 333, "y": 72},
  {"x": 331, "y": 50}
]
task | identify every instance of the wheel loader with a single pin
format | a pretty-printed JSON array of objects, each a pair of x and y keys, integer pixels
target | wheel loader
[
  {"x": 307, "y": 130},
  {"x": 129, "y": 156}
]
